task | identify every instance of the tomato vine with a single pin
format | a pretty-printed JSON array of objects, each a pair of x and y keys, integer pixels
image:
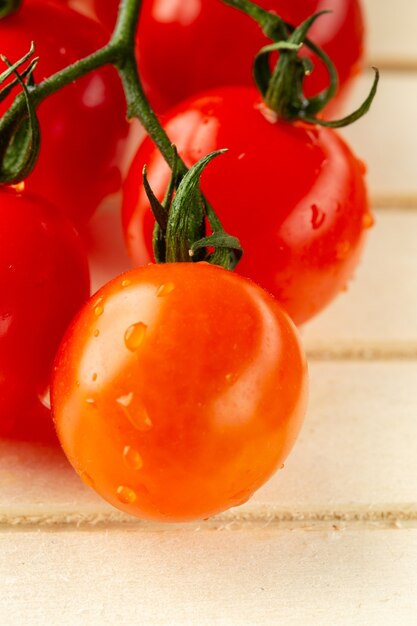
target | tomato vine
[{"x": 281, "y": 88}]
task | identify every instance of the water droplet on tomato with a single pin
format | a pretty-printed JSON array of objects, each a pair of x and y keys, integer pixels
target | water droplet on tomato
[
  {"x": 125, "y": 400},
  {"x": 228, "y": 377},
  {"x": 135, "y": 412},
  {"x": 132, "y": 458},
  {"x": 90, "y": 401},
  {"x": 126, "y": 282},
  {"x": 134, "y": 336},
  {"x": 317, "y": 216},
  {"x": 99, "y": 310},
  {"x": 87, "y": 480},
  {"x": 94, "y": 377},
  {"x": 164, "y": 290},
  {"x": 368, "y": 220},
  {"x": 126, "y": 495},
  {"x": 282, "y": 466},
  {"x": 96, "y": 332}
]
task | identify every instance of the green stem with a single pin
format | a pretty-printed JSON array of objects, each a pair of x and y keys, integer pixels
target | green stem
[
  {"x": 272, "y": 25},
  {"x": 120, "y": 52},
  {"x": 282, "y": 89},
  {"x": 7, "y": 7},
  {"x": 138, "y": 106},
  {"x": 57, "y": 81}
]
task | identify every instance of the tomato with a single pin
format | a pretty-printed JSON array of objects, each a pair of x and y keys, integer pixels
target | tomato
[
  {"x": 188, "y": 47},
  {"x": 83, "y": 126},
  {"x": 44, "y": 280},
  {"x": 293, "y": 194},
  {"x": 105, "y": 11},
  {"x": 178, "y": 390}
]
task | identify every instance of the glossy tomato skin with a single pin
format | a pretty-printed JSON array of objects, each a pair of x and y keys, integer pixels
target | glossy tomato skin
[
  {"x": 44, "y": 280},
  {"x": 188, "y": 47},
  {"x": 293, "y": 194},
  {"x": 83, "y": 126},
  {"x": 185, "y": 47},
  {"x": 178, "y": 390}
]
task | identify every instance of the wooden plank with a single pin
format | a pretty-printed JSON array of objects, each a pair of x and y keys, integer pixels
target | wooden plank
[
  {"x": 354, "y": 460},
  {"x": 264, "y": 576},
  {"x": 391, "y": 32},
  {"x": 386, "y": 139},
  {"x": 377, "y": 315}
]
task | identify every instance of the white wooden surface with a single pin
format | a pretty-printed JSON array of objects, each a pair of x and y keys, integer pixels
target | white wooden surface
[{"x": 331, "y": 539}]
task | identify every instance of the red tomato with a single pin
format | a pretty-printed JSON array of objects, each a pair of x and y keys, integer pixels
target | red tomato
[
  {"x": 293, "y": 194},
  {"x": 188, "y": 47},
  {"x": 83, "y": 126},
  {"x": 178, "y": 390},
  {"x": 185, "y": 47},
  {"x": 44, "y": 280}
]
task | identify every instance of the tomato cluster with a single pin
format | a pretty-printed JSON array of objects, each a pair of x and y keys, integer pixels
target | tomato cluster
[
  {"x": 293, "y": 194},
  {"x": 178, "y": 388},
  {"x": 215, "y": 46},
  {"x": 84, "y": 124}
]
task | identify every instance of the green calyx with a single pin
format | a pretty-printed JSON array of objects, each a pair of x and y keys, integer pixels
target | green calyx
[
  {"x": 282, "y": 87},
  {"x": 185, "y": 216},
  {"x": 180, "y": 233},
  {"x": 7, "y": 7},
  {"x": 20, "y": 137}
]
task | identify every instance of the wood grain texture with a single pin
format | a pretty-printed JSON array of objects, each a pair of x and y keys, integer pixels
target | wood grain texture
[
  {"x": 376, "y": 317},
  {"x": 331, "y": 539},
  {"x": 386, "y": 138},
  {"x": 203, "y": 578},
  {"x": 353, "y": 461},
  {"x": 391, "y": 32}
]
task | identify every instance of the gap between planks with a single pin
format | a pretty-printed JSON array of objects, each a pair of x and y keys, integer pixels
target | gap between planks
[
  {"x": 401, "y": 65},
  {"x": 388, "y": 517},
  {"x": 358, "y": 351},
  {"x": 394, "y": 202}
]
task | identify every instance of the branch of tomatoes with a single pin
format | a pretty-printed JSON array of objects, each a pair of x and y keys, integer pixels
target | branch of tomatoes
[
  {"x": 19, "y": 128},
  {"x": 282, "y": 91},
  {"x": 243, "y": 352}
]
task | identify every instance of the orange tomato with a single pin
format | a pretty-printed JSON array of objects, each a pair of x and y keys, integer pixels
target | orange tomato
[{"x": 178, "y": 390}]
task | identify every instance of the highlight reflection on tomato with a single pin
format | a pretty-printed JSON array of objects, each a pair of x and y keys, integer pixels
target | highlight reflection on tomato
[
  {"x": 83, "y": 127},
  {"x": 204, "y": 44},
  {"x": 44, "y": 281},
  {"x": 293, "y": 194},
  {"x": 178, "y": 390}
]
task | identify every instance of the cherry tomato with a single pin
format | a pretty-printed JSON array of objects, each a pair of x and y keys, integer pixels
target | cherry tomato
[
  {"x": 188, "y": 47},
  {"x": 293, "y": 194},
  {"x": 185, "y": 47},
  {"x": 83, "y": 126},
  {"x": 178, "y": 390},
  {"x": 44, "y": 280}
]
